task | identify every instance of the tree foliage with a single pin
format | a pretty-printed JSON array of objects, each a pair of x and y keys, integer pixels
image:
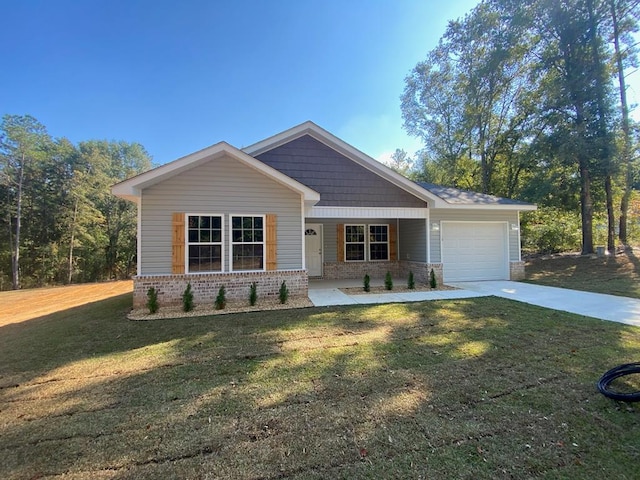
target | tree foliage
[
  {"x": 60, "y": 223},
  {"x": 518, "y": 99}
]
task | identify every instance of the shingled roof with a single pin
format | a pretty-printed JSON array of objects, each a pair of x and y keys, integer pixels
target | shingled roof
[{"x": 455, "y": 196}]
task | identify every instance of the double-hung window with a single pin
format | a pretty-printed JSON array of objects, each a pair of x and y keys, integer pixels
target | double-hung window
[
  {"x": 378, "y": 242},
  {"x": 247, "y": 242},
  {"x": 204, "y": 243},
  {"x": 354, "y": 243},
  {"x": 366, "y": 242}
]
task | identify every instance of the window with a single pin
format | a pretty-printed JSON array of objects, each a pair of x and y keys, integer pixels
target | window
[
  {"x": 366, "y": 242},
  {"x": 204, "y": 243},
  {"x": 354, "y": 243},
  {"x": 378, "y": 242},
  {"x": 247, "y": 242}
]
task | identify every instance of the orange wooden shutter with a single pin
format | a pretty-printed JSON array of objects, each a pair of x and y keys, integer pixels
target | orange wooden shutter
[
  {"x": 272, "y": 242},
  {"x": 393, "y": 251},
  {"x": 177, "y": 247},
  {"x": 341, "y": 242}
]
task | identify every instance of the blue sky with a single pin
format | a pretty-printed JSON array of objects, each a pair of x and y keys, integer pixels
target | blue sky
[{"x": 179, "y": 76}]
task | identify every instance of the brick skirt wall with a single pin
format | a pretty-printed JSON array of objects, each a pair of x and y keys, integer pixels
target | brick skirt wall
[
  {"x": 205, "y": 286},
  {"x": 399, "y": 270},
  {"x": 516, "y": 270}
]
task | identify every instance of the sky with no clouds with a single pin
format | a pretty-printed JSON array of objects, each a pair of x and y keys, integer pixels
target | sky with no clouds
[{"x": 178, "y": 76}]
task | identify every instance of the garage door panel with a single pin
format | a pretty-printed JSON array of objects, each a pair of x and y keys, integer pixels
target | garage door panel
[{"x": 474, "y": 251}]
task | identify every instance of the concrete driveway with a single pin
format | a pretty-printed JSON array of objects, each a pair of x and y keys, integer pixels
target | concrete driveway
[{"x": 597, "y": 305}]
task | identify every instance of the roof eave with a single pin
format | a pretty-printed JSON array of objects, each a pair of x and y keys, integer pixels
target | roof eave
[{"x": 481, "y": 206}]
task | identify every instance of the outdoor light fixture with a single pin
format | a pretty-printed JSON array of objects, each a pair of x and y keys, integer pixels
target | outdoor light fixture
[
  {"x": 435, "y": 226},
  {"x": 514, "y": 226}
]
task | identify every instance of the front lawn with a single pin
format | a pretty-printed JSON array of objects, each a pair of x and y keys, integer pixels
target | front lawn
[
  {"x": 481, "y": 388},
  {"x": 615, "y": 275}
]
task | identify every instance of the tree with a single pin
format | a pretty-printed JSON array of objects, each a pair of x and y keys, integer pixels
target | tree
[
  {"x": 108, "y": 163},
  {"x": 468, "y": 102},
  {"x": 23, "y": 141},
  {"x": 624, "y": 20}
]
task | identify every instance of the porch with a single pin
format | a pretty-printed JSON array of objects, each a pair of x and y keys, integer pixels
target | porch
[{"x": 323, "y": 293}]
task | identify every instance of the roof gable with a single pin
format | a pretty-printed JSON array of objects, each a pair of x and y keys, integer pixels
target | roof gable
[
  {"x": 131, "y": 189},
  {"x": 340, "y": 181},
  {"x": 319, "y": 134}
]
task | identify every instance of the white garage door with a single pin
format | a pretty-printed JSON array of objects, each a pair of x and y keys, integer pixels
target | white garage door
[{"x": 474, "y": 251}]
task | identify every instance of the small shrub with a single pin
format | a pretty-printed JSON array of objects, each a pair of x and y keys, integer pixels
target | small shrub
[
  {"x": 253, "y": 294},
  {"x": 221, "y": 299},
  {"x": 367, "y": 283},
  {"x": 411, "y": 284},
  {"x": 284, "y": 293},
  {"x": 388, "y": 281},
  {"x": 187, "y": 299},
  {"x": 152, "y": 303},
  {"x": 432, "y": 279}
]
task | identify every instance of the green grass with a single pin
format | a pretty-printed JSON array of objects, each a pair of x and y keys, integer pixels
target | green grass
[
  {"x": 481, "y": 389},
  {"x": 614, "y": 275}
]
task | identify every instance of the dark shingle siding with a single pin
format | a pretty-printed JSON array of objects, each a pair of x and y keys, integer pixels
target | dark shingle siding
[{"x": 339, "y": 180}]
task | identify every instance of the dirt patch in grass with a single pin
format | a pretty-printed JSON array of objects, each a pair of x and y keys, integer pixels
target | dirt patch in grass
[
  {"x": 614, "y": 275},
  {"x": 482, "y": 388},
  {"x": 21, "y": 305}
]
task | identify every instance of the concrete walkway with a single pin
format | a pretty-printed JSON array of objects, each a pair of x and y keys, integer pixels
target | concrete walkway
[
  {"x": 605, "y": 307},
  {"x": 597, "y": 305}
]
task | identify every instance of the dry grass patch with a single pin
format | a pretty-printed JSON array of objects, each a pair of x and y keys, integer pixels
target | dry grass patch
[{"x": 478, "y": 388}]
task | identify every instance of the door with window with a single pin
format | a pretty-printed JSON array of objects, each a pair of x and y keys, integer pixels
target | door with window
[{"x": 313, "y": 249}]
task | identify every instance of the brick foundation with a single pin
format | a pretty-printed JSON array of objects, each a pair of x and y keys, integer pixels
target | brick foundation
[
  {"x": 516, "y": 270},
  {"x": 205, "y": 286},
  {"x": 399, "y": 270}
]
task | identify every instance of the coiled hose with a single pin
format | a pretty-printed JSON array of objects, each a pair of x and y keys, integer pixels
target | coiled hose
[{"x": 617, "y": 372}]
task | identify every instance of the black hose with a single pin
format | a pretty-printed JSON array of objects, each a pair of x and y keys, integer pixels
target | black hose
[{"x": 617, "y": 372}]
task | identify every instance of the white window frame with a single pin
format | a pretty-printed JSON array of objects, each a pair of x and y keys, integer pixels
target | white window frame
[
  {"x": 364, "y": 241},
  {"x": 263, "y": 243},
  {"x": 189, "y": 244},
  {"x": 369, "y": 242}
]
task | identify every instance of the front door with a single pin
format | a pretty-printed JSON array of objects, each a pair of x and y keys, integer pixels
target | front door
[{"x": 313, "y": 249}]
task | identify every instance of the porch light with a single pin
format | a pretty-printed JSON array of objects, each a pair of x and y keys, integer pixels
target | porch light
[
  {"x": 435, "y": 226},
  {"x": 514, "y": 226}
]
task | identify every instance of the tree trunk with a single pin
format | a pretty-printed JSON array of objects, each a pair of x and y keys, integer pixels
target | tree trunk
[
  {"x": 15, "y": 253},
  {"x": 586, "y": 208},
  {"x": 73, "y": 229},
  {"x": 611, "y": 218}
]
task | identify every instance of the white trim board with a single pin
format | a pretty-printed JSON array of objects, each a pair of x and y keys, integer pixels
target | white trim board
[{"x": 366, "y": 212}]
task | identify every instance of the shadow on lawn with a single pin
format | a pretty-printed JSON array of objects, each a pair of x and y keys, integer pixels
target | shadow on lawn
[{"x": 342, "y": 392}]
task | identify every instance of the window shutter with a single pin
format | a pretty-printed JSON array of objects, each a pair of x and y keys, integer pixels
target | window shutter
[
  {"x": 341, "y": 242},
  {"x": 393, "y": 251},
  {"x": 178, "y": 244},
  {"x": 272, "y": 242}
]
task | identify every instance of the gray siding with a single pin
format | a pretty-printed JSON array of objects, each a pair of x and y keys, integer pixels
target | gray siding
[
  {"x": 223, "y": 186},
  {"x": 339, "y": 180},
  {"x": 330, "y": 230},
  {"x": 413, "y": 240},
  {"x": 438, "y": 215}
]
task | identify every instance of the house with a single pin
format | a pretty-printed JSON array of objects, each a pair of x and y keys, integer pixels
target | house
[{"x": 305, "y": 204}]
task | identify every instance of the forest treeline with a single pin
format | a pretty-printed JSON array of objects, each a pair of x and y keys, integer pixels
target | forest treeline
[
  {"x": 59, "y": 221},
  {"x": 528, "y": 100}
]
